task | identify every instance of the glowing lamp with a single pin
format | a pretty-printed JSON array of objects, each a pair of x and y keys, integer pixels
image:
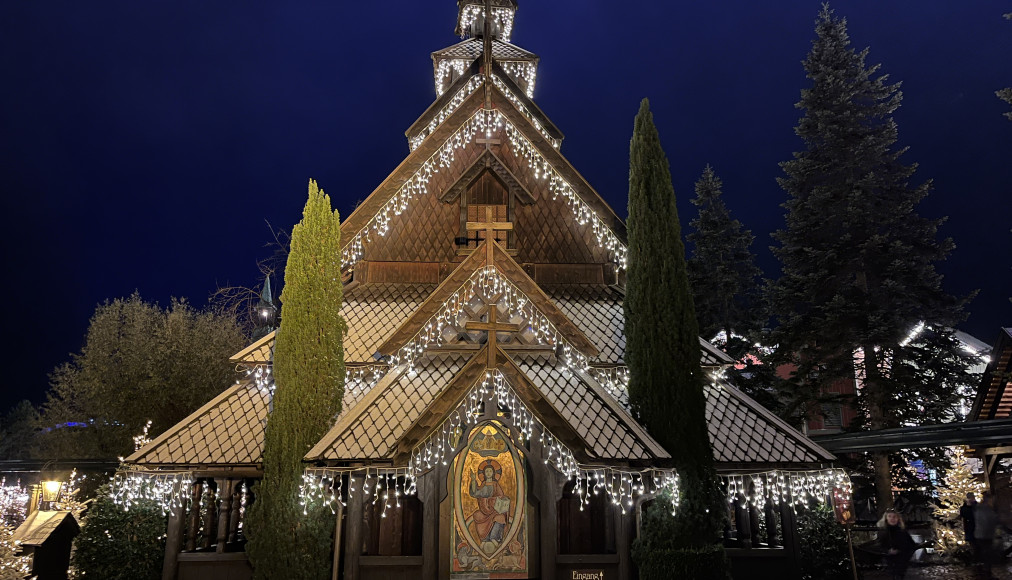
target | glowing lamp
[{"x": 51, "y": 490}]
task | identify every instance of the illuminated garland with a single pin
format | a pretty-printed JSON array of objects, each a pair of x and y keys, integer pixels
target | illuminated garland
[
  {"x": 445, "y": 68},
  {"x": 489, "y": 282},
  {"x": 417, "y": 185},
  {"x": 513, "y": 98},
  {"x": 503, "y": 18},
  {"x": 800, "y": 488},
  {"x": 615, "y": 381},
  {"x": 525, "y": 71},
  {"x": 13, "y": 504},
  {"x": 469, "y": 87},
  {"x": 167, "y": 489}
]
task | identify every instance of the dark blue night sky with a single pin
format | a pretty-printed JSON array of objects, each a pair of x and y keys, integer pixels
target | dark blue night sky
[{"x": 144, "y": 144}]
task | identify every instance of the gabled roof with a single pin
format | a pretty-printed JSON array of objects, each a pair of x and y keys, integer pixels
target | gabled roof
[
  {"x": 512, "y": 271},
  {"x": 471, "y": 49},
  {"x": 399, "y": 414},
  {"x": 390, "y": 187}
]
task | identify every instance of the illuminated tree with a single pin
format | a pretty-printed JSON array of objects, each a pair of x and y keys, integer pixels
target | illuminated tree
[{"x": 959, "y": 481}]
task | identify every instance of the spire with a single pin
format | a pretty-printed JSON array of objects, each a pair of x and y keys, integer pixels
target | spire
[{"x": 266, "y": 312}]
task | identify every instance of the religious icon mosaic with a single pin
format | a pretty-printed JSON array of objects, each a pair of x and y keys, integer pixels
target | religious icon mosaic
[{"x": 489, "y": 532}]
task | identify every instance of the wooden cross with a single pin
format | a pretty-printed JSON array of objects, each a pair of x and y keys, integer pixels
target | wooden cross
[
  {"x": 492, "y": 326},
  {"x": 490, "y": 227}
]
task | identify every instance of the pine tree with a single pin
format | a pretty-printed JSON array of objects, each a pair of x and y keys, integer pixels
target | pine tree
[
  {"x": 858, "y": 261},
  {"x": 662, "y": 352},
  {"x": 959, "y": 481},
  {"x": 722, "y": 271},
  {"x": 287, "y": 542}
]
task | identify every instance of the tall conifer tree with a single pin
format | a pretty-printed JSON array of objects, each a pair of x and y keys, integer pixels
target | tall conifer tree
[
  {"x": 1006, "y": 93},
  {"x": 286, "y": 543},
  {"x": 666, "y": 383},
  {"x": 722, "y": 270},
  {"x": 858, "y": 261}
]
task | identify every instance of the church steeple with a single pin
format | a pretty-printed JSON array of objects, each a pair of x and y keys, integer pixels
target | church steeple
[{"x": 471, "y": 18}]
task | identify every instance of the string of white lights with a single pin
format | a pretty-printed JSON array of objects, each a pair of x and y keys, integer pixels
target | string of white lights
[
  {"x": 446, "y": 68},
  {"x": 524, "y": 72},
  {"x": 469, "y": 87},
  {"x": 513, "y": 98},
  {"x": 800, "y": 488},
  {"x": 167, "y": 489},
  {"x": 485, "y": 284},
  {"x": 486, "y": 122},
  {"x": 502, "y": 16}
]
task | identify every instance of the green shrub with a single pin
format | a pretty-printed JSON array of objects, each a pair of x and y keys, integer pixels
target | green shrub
[
  {"x": 823, "y": 545},
  {"x": 660, "y": 552},
  {"x": 119, "y": 544}
]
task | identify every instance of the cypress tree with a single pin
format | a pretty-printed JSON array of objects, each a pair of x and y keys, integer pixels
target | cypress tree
[
  {"x": 722, "y": 271},
  {"x": 666, "y": 383},
  {"x": 286, "y": 541},
  {"x": 858, "y": 261}
]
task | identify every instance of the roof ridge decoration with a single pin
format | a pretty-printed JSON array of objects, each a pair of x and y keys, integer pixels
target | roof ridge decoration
[
  {"x": 489, "y": 122},
  {"x": 505, "y": 277}
]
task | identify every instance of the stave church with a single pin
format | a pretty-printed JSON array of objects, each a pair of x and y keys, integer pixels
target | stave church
[{"x": 485, "y": 430}]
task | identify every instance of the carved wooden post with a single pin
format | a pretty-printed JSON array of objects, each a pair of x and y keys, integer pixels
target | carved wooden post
[
  {"x": 209, "y": 518},
  {"x": 741, "y": 521},
  {"x": 338, "y": 537},
  {"x": 225, "y": 489},
  {"x": 238, "y": 490},
  {"x": 195, "y": 497},
  {"x": 625, "y": 530},
  {"x": 173, "y": 543},
  {"x": 771, "y": 522}
]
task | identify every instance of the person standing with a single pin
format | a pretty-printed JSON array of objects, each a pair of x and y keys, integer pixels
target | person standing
[
  {"x": 984, "y": 531},
  {"x": 897, "y": 543},
  {"x": 966, "y": 514}
]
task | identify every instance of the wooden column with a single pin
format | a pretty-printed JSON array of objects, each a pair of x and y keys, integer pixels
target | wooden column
[
  {"x": 791, "y": 543},
  {"x": 742, "y": 522},
  {"x": 209, "y": 517},
  {"x": 233, "y": 524},
  {"x": 173, "y": 543},
  {"x": 353, "y": 537},
  {"x": 338, "y": 528},
  {"x": 625, "y": 531},
  {"x": 430, "y": 525},
  {"x": 195, "y": 497},
  {"x": 225, "y": 489}
]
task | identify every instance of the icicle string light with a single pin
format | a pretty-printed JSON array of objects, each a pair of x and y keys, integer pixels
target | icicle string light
[
  {"x": 472, "y": 85},
  {"x": 487, "y": 123},
  {"x": 511, "y": 96},
  {"x": 167, "y": 489},
  {"x": 502, "y": 16},
  {"x": 446, "y": 68},
  {"x": 799, "y": 488},
  {"x": 488, "y": 283},
  {"x": 524, "y": 72}
]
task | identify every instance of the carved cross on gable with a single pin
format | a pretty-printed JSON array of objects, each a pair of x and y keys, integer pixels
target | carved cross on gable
[
  {"x": 492, "y": 326},
  {"x": 490, "y": 227}
]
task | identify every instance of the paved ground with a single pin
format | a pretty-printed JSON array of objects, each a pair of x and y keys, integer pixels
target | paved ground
[{"x": 1002, "y": 572}]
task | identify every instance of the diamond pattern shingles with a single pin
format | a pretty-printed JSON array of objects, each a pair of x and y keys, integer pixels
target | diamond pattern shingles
[
  {"x": 471, "y": 49},
  {"x": 597, "y": 311},
  {"x": 229, "y": 432},
  {"x": 604, "y": 433},
  {"x": 375, "y": 432},
  {"x": 740, "y": 434},
  {"x": 374, "y": 311}
]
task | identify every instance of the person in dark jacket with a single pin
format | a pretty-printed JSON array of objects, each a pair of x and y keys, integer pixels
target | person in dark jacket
[
  {"x": 966, "y": 514},
  {"x": 985, "y": 532},
  {"x": 897, "y": 543}
]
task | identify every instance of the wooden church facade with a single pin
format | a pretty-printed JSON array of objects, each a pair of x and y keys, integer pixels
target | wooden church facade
[{"x": 485, "y": 430}]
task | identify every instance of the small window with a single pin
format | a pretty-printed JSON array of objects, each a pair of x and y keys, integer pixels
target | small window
[{"x": 832, "y": 415}]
